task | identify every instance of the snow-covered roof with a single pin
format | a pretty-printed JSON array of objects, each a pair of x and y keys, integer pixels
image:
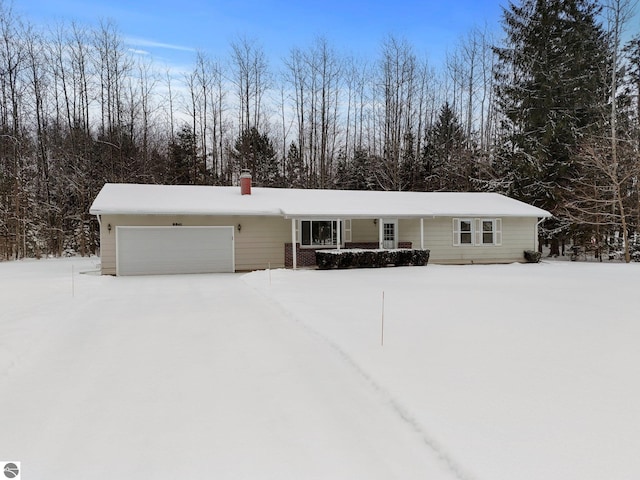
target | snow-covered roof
[{"x": 117, "y": 198}]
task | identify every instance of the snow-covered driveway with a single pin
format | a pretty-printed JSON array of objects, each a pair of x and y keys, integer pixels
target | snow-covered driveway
[
  {"x": 183, "y": 377},
  {"x": 495, "y": 372}
]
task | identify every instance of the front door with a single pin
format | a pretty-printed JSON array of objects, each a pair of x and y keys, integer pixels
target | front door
[{"x": 389, "y": 234}]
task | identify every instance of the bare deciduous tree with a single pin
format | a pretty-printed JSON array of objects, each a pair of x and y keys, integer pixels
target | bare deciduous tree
[
  {"x": 251, "y": 77},
  {"x": 396, "y": 93},
  {"x": 600, "y": 195}
]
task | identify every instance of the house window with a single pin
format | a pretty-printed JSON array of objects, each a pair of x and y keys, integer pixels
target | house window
[
  {"x": 466, "y": 233},
  {"x": 319, "y": 233},
  {"x": 487, "y": 232},
  {"x": 477, "y": 231}
]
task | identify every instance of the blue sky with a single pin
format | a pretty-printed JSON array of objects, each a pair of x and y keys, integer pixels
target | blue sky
[{"x": 356, "y": 27}]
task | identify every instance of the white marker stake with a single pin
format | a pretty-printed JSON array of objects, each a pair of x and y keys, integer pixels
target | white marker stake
[
  {"x": 269, "y": 273},
  {"x": 73, "y": 286}
]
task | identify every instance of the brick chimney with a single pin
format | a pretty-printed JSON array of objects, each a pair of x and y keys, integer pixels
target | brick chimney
[{"x": 245, "y": 183}]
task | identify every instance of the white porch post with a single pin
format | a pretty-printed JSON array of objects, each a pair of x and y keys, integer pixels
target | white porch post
[
  {"x": 339, "y": 227},
  {"x": 293, "y": 244},
  {"x": 380, "y": 234},
  {"x": 422, "y": 234}
]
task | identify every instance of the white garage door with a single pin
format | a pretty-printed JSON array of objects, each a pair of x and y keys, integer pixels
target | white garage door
[{"x": 164, "y": 250}]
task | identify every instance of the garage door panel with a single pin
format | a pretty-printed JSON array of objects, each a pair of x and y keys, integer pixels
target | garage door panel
[{"x": 165, "y": 250}]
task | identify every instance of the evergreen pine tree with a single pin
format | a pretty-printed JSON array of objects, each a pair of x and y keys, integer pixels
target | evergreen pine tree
[
  {"x": 551, "y": 83},
  {"x": 362, "y": 176},
  {"x": 254, "y": 151},
  {"x": 632, "y": 88},
  {"x": 411, "y": 174},
  {"x": 551, "y": 88},
  {"x": 182, "y": 161},
  {"x": 295, "y": 168},
  {"x": 445, "y": 155},
  {"x": 342, "y": 173}
]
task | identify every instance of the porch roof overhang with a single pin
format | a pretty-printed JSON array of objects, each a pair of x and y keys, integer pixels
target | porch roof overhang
[{"x": 134, "y": 199}]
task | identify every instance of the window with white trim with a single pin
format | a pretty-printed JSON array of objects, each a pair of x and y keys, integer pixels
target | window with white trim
[
  {"x": 477, "y": 231},
  {"x": 318, "y": 233},
  {"x": 466, "y": 233},
  {"x": 488, "y": 229}
]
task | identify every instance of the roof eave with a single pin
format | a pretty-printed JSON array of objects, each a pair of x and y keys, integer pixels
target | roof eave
[{"x": 340, "y": 215}]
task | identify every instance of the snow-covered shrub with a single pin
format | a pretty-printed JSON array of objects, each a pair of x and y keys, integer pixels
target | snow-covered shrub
[
  {"x": 531, "y": 256},
  {"x": 325, "y": 262},
  {"x": 345, "y": 260},
  {"x": 362, "y": 258},
  {"x": 405, "y": 257},
  {"x": 420, "y": 257},
  {"x": 356, "y": 258}
]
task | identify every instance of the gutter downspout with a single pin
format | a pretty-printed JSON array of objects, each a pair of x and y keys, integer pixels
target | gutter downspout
[{"x": 536, "y": 236}]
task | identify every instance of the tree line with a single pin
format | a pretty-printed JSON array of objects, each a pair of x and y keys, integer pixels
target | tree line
[{"x": 547, "y": 114}]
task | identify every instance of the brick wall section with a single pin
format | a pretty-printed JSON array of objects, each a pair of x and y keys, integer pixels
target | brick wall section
[{"x": 306, "y": 257}]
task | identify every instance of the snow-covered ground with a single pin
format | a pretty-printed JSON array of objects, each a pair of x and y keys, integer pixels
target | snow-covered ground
[{"x": 487, "y": 372}]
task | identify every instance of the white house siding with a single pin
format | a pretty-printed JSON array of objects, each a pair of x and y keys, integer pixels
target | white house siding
[
  {"x": 364, "y": 230},
  {"x": 260, "y": 241},
  {"x": 518, "y": 235},
  {"x": 258, "y": 244}
]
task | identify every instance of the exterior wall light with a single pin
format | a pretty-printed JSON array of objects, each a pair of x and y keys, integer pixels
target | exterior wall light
[
  {"x": 239, "y": 227},
  {"x": 109, "y": 228}
]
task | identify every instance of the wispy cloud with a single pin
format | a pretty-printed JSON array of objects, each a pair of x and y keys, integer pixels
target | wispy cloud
[
  {"x": 137, "y": 51},
  {"x": 143, "y": 42}
]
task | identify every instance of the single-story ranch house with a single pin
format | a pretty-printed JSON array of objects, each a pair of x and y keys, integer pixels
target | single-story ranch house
[{"x": 160, "y": 229}]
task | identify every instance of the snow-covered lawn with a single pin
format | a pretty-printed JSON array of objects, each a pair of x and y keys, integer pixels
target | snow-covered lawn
[{"x": 500, "y": 372}]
